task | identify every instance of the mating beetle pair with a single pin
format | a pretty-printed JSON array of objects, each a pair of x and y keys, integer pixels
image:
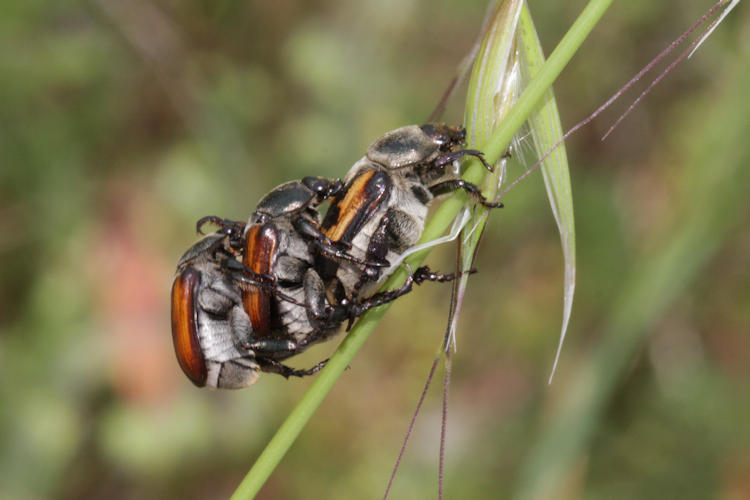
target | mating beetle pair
[
  {"x": 222, "y": 310},
  {"x": 251, "y": 295}
]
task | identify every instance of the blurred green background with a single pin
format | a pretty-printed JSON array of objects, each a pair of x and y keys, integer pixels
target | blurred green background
[{"x": 122, "y": 123}]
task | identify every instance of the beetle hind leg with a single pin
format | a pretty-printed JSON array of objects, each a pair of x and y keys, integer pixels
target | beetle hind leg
[
  {"x": 273, "y": 366},
  {"x": 422, "y": 274}
]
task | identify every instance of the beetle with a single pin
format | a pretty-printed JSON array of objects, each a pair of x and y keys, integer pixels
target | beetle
[
  {"x": 207, "y": 316},
  {"x": 381, "y": 210},
  {"x": 214, "y": 337}
]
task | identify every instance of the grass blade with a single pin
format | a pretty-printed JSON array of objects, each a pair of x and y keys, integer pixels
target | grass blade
[
  {"x": 546, "y": 131},
  {"x": 295, "y": 422}
]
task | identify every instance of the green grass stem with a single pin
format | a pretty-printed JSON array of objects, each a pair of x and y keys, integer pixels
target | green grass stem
[{"x": 498, "y": 144}]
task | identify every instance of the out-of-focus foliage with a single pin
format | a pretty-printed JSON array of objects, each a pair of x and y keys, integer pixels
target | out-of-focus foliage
[{"x": 121, "y": 123}]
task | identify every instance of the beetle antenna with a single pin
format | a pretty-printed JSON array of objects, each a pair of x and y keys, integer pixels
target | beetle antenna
[
  {"x": 462, "y": 70},
  {"x": 444, "y": 424},
  {"x": 686, "y": 53},
  {"x": 411, "y": 425},
  {"x": 619, "y": 93}
]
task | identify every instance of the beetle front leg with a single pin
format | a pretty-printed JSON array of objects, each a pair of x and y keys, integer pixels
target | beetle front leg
[
  {"x": 447, "y": 158},
  {"x": 226, "y": 226}
]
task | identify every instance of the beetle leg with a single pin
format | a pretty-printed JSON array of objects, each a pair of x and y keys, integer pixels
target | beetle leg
[
  {"x": 397, "y": 231},
  {"x": 241, "y": 327},
  {"x": 330, "y": 248},
  {"x": 471, "y": 189},
  {"x": 266, "y": 347},
  {"x": 422, "y": 274},
  {"x": 273, "y": 366},
  {"x": 260, "y": 347},
  {"x": 246, "y": 277},
  {"x": 315, "y": 295},
  {"x": 244, "y": 281},
  {"x": 225, "y": 225},
  {"x": 311, "y": 230},
  {"x": 447, "y": 158},
  {"x": 358, "y": 308},
  {"x": 334, "y": 252},
  {"x": 250, "y": 277},
  {"x": 377, "y": 249}
]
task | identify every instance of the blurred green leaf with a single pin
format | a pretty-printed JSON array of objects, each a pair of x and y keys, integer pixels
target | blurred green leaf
[{"x": 713, "y": 191}]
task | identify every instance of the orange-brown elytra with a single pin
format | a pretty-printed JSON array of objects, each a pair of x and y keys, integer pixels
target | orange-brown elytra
[
  {"x": 348, "y": 207},
  {"x": 184, "y": 326},
  {"x": 261, "y": 243},
  {"x": 361, "y": 199}
]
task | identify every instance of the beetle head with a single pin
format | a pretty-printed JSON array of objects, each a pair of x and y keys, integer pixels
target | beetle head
[{"x": 445, "y": 136}]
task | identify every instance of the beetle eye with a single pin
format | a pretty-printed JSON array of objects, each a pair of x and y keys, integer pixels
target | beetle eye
[{"x": 460, "y": 136}]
